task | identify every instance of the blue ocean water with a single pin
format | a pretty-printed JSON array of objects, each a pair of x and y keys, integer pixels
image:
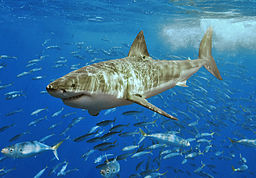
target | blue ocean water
[{"x": 65, "y": 35}]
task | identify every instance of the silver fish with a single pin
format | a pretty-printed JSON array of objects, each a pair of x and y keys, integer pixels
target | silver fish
[
  {"x": 111, "y": 169},
  {"x": 40, "y": 173},
  {"x": 28, "y": 149},
  {"x": 167, "y": 138},
  {"x": 129, "y": 80}
]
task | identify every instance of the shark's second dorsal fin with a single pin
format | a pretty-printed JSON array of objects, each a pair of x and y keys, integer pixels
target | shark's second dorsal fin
[{"x": 139, "y": 47}]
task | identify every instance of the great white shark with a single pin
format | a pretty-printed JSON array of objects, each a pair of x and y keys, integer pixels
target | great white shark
[{"x": 132, "y": 79}]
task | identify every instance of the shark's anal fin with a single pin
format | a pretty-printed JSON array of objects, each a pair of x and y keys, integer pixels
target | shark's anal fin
[{"x": 143, "y": 102}]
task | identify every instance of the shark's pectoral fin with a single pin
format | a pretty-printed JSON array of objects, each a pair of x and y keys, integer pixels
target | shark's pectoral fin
[
  {"x": 93, "y": 112},
  {"x": 182, "y": 84},
  {"x": 143, "y": 102}
]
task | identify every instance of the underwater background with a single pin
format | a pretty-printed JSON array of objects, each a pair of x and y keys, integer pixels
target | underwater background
[{"x": 41, "y": 41}]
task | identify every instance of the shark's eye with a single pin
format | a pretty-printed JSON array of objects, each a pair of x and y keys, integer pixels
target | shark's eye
[{"x": 73, "y": 85}]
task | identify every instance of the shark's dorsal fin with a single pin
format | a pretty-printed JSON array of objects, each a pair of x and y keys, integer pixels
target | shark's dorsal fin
[
  {"x": 139, "y": 47},
  {"x": 143, "y": 102}
]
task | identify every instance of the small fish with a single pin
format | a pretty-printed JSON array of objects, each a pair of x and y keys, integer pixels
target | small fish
[
  {"x": 58, "y": 112},
  {"x": 126, "y": 134},
  {"x": 138, "y": 154},
  {"x": 53, "y": 47},
  {"x": 5, "y": 86},
  {"x": 200, "y": 168},
  {"x": 34, "y": 61},
  {"x": 46, "y": 137},
  {"x": 6, "y": 127},
  {"x": 52, "y": 126},
  {"x": 53, "y": 170},
  {"x": 124, "y": 156},
  {"x": 192, "y": 124},
  {"x": 108, "y": 135},
  {"x": 34, "y": 122},
  {"x": 69, "y": 171},
  {"x": 104, "y": 145},
  {"x": 62, "y": 61},
  {"x": 167, "y": 138},
  {"x": 144, "y": 123},
  {"x": 82, "y": 137},
  {"x": 193, "y": 154},
  {"x": 95, "y": 139},
  {"x": 4, "y": 172},
  {"x": 94, "y": 128},
  {"x": 206, "y": 134},
  {"x": 37, "y": 111},
  {"x": 16, "y": 137},
  {"x": 170, "y": 155},
  {"x": 247, "y": 142},
  {"x": 87, "y": 154},
  {"x": 99, "y": 159},
  {"x": 35, "y": 69},
  {"x": 139, "y": 165},
  {"x": 13, "y": 95},
  {"x": 23, "y": 74},
  {"x": 118, "y": 127},
  {"x": 68, "y": 114},
  {"x": 184, "y": 161},
  {"x": 130, "y": 147},
  {"x": 130, "y": 113},
  {"x": 111, "y": 169},
  {"x": 243, "y": 167},
  {"x": 28, "y": 149},
  {"x": 13, "y": 112},
  {"x": 40, "y": 173},
  {"x": 155, "y": 174},
  {"x": 109, "y": 111},
  {"x": 158, "y": 145},
  {"x": 202, "y": 140},
  {"x": 105, "y": 122},
  {"x": 243, "y": 159},
  {"x": 37, "y": 77},
  {"x": 7, "y": 57},
  {"x": 62, "y": 170}
]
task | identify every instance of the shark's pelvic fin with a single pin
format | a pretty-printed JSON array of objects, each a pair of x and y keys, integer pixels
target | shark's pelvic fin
[
  {"x": 205, "y": 52},
  {"x": 182, "y": 84},
  {"x": 139, "y": 47},
  {"x": 143, "y": 102}
]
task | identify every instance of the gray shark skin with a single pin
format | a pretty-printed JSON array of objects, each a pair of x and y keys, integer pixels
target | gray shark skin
[{"x": 129, "y": 80}]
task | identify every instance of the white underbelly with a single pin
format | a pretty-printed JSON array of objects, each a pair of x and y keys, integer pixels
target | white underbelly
[{"x": 96, "y": 102}]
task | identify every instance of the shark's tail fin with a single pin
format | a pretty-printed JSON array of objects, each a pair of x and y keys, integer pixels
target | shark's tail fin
[{"x": 205, "y": 52}]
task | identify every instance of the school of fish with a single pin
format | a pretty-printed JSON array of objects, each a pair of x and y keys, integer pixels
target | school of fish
[{"x": 145, "y": 138}]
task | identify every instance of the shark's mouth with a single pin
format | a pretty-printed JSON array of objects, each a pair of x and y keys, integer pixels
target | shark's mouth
[{"x": 74, "y": 97}]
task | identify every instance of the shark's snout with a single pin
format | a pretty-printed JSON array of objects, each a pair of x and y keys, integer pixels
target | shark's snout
[
  {"x": 56, "y": 92},
  {"x": 50, "y": 88}
]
